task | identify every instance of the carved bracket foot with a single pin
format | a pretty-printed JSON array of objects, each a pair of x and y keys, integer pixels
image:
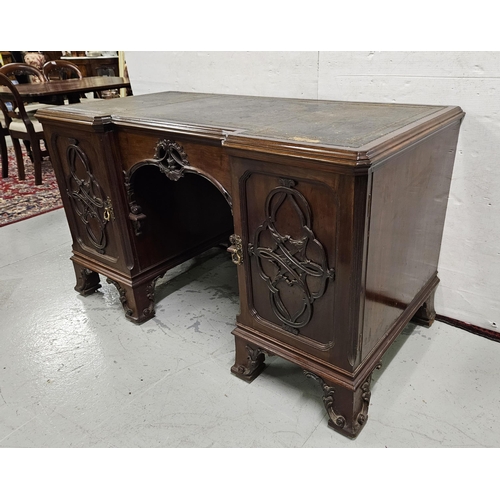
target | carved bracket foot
[
  {"x": 87, "y": 281},
  {"x": 138, "y": 301},
  {"x": 347, "y": 410},
  {"x": 426, "y": 315},
  {"x": 249, "y": 360}
]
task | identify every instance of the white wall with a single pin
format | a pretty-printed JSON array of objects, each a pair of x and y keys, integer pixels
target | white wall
[{"x": 469, "y": 266}]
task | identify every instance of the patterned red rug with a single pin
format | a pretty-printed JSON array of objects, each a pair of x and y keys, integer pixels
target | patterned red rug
[{"x": 21, "y": 200}]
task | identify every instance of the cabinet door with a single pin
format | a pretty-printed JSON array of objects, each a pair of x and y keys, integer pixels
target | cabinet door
[
  {"x": 85, "y": 178},
  {"x": 288, "y": 218}
]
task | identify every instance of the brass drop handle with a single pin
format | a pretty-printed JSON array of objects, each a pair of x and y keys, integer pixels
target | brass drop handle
[
  {"x": 236, "y": 249},
  {"x": 108, "y": 211}
]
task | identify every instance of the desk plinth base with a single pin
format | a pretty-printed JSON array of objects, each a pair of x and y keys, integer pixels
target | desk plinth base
[
  {"x": 137, "y": 297},
  {"x": 346, "y": 404},
  {"x": 346, "y": 398}
]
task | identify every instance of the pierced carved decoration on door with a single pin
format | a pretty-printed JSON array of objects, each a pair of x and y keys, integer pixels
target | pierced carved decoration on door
[
  {"x": 90, "y": 204},
  {"x": 284, "y": 261}
]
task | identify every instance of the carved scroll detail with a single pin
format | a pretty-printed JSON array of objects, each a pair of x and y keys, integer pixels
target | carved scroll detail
[
  {"x": 172, "y": 159},
  {"x": 135, "y": 214},
  {"x": 254, "y": 360},
  {"x": 328, "y": 400},
  {"x": 288, "y": 257},
  {"x": 87, "y": 197},
  {"x": 123, "y": 296},
  {"x": 150, "y": 294},
  {"x": 366, "y": 396}
]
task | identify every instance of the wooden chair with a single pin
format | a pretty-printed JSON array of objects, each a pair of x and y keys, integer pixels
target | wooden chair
[
  {"x": 32, "y": 75},
  {"x": 22, "y": 126},
  {"x": 14, "y": 70},
  {"x": 63, "y": 70},
  {"x": 4, "y": 132}
]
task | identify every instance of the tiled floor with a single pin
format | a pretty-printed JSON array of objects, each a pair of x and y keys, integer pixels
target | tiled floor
[{"x": 75, "y": 373}]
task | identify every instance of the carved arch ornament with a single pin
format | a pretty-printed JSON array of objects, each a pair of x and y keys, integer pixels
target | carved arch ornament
[
  {"x": 87, "y": 197},
  {"x": 171, "y": 160},
  {"x": 289, "y": 259}
]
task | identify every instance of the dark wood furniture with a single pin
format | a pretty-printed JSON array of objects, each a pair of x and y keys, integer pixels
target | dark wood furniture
[
  {"x": 13, "y": 70},
  {"x": 334, "y": 211},
  {"x": 95, "y": 66},
  {"x": 35, "y": 91},
  {"x": 53, "y": 92},
  {"x": 4, "y": 154},
  {"x": 62, "y": 70},
  {"x": 22, "y": 126}
]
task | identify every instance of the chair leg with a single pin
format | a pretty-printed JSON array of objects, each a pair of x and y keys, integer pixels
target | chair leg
[
  {"x": 27, "y": 146},
  {"x": 19, "y": 159},
  {"x": 5, "y": 157},
  {"x": 37, "y": 162}
]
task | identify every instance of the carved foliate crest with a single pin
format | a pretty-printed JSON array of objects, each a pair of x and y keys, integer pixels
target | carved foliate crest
[{"x": 172, "y": 159}]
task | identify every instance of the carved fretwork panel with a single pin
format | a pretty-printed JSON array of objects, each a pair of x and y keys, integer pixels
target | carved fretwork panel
[
  {"x": 290, "y": 266},
  {"x": 91, "y": 205}
]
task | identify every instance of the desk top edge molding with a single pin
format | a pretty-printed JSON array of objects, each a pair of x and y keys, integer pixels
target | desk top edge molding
[{"x": 242, "y": 139}]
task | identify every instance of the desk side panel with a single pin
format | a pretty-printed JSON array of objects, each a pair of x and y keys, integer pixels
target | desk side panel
[{"x": 408, "y": 207}]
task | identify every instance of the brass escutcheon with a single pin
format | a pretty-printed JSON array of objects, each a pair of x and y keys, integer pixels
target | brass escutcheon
[
  {"x": 236, "y": 249},
  {"x": 108, "y": 210}
]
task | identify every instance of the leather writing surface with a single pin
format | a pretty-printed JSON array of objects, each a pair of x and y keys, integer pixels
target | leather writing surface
[{"x": 334, "y": 123}]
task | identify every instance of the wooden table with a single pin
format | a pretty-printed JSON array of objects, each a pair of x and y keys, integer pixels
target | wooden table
[
  {"x": 334, "y": 210},
  {"x": 34, "y": 91}
]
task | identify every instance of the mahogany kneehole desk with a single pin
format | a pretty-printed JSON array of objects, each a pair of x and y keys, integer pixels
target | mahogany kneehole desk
[{"x": 334, "y": 210}]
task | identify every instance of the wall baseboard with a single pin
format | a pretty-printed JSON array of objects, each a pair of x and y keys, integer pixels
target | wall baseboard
[{"x": 477, "y": 330}]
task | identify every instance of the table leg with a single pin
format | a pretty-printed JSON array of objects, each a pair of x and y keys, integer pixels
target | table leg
[{"x": 19, "y": 159}]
